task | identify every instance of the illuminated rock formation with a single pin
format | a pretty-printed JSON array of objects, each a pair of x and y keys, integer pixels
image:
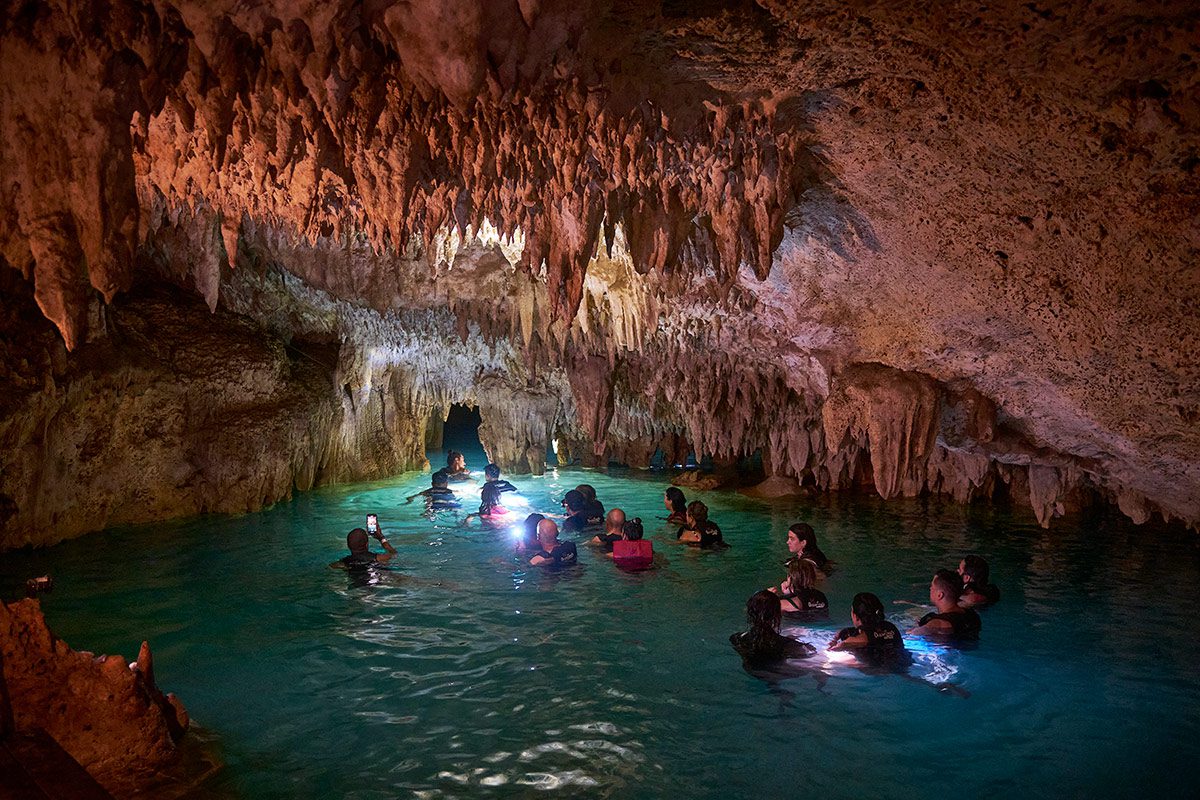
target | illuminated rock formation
[{"x": 915, "y": 248}]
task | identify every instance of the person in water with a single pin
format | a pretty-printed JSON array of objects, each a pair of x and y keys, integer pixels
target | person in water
[
  {"x": 361, "y": 555},
  {"x": 977, "y": 592},
  {"x": 802, "y": 543},
  {"x": 950, "y": 620},
  {"x": 550, "y": 552},
  {"x": 578, "y": 516},
  {"x": 800, "y": 596},
  {"x": 528, "y": 540},
  {"x": 595, "y": 509},
  {"x": 614, "y": 530},
  {"x": 439, "y": 495},
  {"x": 491, "y": 475},
  {"x": 763, "y": 645},
  {"x": 699, "y": 530},
  {"x": 632, "y": 551},
  {"x": 676, "y": 503},
  {"x": 491, "y": 512},
  {"x": 871, "y": 635},
  {"x": 456, "y": 466}
]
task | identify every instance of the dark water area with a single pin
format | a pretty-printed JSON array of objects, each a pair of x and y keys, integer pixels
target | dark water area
[{"x": 465, "y": 673}]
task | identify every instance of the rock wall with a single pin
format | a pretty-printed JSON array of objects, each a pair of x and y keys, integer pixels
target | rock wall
[
  {"x": 107, "y": 713},
  {"x": 926, "y": 249}
]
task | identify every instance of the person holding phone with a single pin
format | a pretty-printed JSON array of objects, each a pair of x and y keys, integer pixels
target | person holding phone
[{"x": 361, "y": 555}]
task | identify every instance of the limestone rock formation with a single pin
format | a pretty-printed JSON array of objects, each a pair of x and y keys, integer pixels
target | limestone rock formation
[
  {"x": 919, "y": 248},
  {"x": 107, "y": 713}
]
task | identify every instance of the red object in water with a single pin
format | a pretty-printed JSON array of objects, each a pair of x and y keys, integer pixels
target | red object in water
[{"x": 633, "y": 555}]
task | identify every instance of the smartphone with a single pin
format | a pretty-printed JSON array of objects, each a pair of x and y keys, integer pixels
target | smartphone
[{"x": 372, "y": 523}]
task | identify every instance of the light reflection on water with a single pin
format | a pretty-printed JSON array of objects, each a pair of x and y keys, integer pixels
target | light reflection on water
[{"x": 463, "y": 673}]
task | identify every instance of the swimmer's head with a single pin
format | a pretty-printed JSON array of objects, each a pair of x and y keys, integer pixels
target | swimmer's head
[
  {"x": 489, "y": 496},
  {"x": 455, "y": 460},
  {"x": 763, "y": 611},
  {"x": 633, "y": 530},
  {"x": 674, "y": 500},
  {"x": 802, "y": 574},
  {"x": 589, "y": 494},
  {"x": 974, "y": 569},
  {"x": 614, "y": 521},
  {"x": 547, "y": 532},
  {"x": 946, "y": 586},
  {"x": 440, "y": 479},
  {"x": 867, "y": 610},
  {"x": 491, "y": 472},
  {"x": 801, "y": 536},
  {"x": 531, "y": 526},
  {"x": 356, "y": 540},
  {"x": 697, "y": 513},
  {"x": 574, "y": 501}
]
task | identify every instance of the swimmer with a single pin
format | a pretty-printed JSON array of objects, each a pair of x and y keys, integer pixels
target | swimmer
[
  {"x": 633, "y": 552},
  {"x": 595, "y": 509},
  {"x": 361, "y": 555},
  {"x": 439, "y": 495},
  {"x": 456, "y": 466},
  {"x": 491, "y": 512},
  {"x": 676, "y": 503},
  {"x": 950, "y": 620},
  {"x": 577, "y": 512},
  {"x": 529, "y": 538},
  {"x": 550, "y": 552},
  {"x": 698, "y": 530},
  {"x": 800, "y": 594},
  {"x": 763, "y": 645},
  {"x": 491, "y": 475},
  {"x": 802, "y": 543},
  {"x": 977, "y": 592},
  {"x": 614, "y": 530},
  {"x": 871, "y": 636}
]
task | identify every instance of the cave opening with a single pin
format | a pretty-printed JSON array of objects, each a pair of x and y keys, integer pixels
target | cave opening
[{"x": 460, "y": 432}]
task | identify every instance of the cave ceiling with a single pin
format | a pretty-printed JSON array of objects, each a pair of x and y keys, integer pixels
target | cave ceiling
[{"x": 1000, "y": 197}]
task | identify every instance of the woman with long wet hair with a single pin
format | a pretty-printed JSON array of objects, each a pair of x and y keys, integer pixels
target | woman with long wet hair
[{"x": 763, "y": 645}]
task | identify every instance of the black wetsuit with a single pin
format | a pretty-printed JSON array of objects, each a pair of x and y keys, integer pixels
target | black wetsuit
[
  {"x": 502, "y": 485},
  {"x": 710, "y": 536},
  {"x": 806, "y": 600},
  {"x": 360, "y": 560},
  {"x": 815, "y": 555},
  {"x": 594, "y": 513},
  {"x": 564, "y": 554},
  {"x": 607, "y": 539},
  {"x": 989, "y": 591},
  {"x": 884, "y": 645},
  {"x": 966, "y": 622},
  {"x": 577, "y": 522},
  {"x": 677, "y": 518},
  {"x": 772, "y": 650}
]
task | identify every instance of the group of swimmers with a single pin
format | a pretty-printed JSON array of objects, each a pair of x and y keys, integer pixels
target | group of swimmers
[{"x": 955, "y": 595}]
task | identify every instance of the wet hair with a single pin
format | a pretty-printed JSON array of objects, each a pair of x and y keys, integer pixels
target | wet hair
[
  {"x": 356, "y": 540},
  {"x": 805, "y": 535},
  {"x": 949, "y": 582},
  {"x": 633, "y": 529},
  {"x": 802, "y": 574},
  {"x": 491, "y": 472},
  {"x": 531, "y": 525},
  {"x": 574, "y": 500},
  {"x": 588, "y": 492},
  {"x": 869, "y": 610},
  {"x": 440, "y": 479},
  {"x": 698, "y": 512},
  {"x": 450, "y": 458},
  {"x": 489, "y": 498},
  {"x": 763, "y": 612},
  {"x": 678, "y": 501},
  {"x": 975, "y": 570}
]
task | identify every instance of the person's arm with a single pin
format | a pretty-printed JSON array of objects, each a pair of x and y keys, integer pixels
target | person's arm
[
  {"x": 935, "y": 627},
  {"x": 689, "y": 535},
  {"x": 337, "y": 565},
  {"x": 538, "y": 560},
  {"x": 845, "y": 641},
  {"x": 391, "y": 551}
]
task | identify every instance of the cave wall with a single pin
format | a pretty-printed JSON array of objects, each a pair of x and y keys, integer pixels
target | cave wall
[{"x": 935, "y": 249}]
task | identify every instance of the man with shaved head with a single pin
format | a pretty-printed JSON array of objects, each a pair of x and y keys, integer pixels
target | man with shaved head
[
  {"x": 549, "y": 551},
  {"x": 614, "y": 530},
  {"x": 360, "y": 550},
  {"x": 950, "y": 620}
]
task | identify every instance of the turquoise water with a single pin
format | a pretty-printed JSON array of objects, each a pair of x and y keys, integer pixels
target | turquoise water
[{"x": 465, "y": 674}]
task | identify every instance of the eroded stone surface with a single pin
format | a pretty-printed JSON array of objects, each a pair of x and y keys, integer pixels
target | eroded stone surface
[{"x": 960, "y": 242}]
